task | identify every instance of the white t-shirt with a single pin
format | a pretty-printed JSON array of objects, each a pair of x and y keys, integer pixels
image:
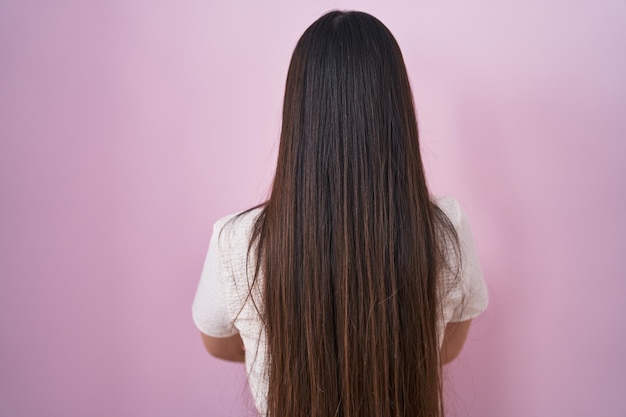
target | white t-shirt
[{"x": 222, "y": 306}]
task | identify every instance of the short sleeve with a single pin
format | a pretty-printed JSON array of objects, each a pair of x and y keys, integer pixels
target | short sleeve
[
  {"x": 210, "y": 309},
  {"x": 473, "y": 298},
  {"x": 464, "y": 290}
]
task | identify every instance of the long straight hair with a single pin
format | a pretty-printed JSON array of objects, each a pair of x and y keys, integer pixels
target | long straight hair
[{"x": 350, "y": 244}]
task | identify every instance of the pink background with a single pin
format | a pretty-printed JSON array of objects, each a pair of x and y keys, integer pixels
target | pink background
[{"x": 128, "y": 127}]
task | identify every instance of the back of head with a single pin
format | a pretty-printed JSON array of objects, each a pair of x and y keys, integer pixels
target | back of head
[
  {"x": 348, "y": 100},
  {"x": 349, "y": 241}
]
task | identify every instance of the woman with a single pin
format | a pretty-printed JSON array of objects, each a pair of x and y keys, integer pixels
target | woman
[{"x": 350, "y": 286}]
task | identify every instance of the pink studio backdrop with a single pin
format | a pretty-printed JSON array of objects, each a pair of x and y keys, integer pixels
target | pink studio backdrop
[{"x": 128, "y": 127}]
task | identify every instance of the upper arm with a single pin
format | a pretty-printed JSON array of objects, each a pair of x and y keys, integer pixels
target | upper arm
[
  {"x": 226, "y": 348},
  {"x": 464, "y": 289},
  {"x": 453, "y": 340},
  {"x": 467, "y": 296},
  {"x": 210, "y": 309}
]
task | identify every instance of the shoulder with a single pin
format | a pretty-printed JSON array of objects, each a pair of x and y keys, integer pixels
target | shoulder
[
  {"x": 451, "y": 208},
  {"x": 232, "y": 233},
  {"x": 236, "y": 226},
  {"x": 458, "y": 219}
]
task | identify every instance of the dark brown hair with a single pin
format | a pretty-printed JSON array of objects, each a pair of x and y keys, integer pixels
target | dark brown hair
[{"x": 349, "y": 243}]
